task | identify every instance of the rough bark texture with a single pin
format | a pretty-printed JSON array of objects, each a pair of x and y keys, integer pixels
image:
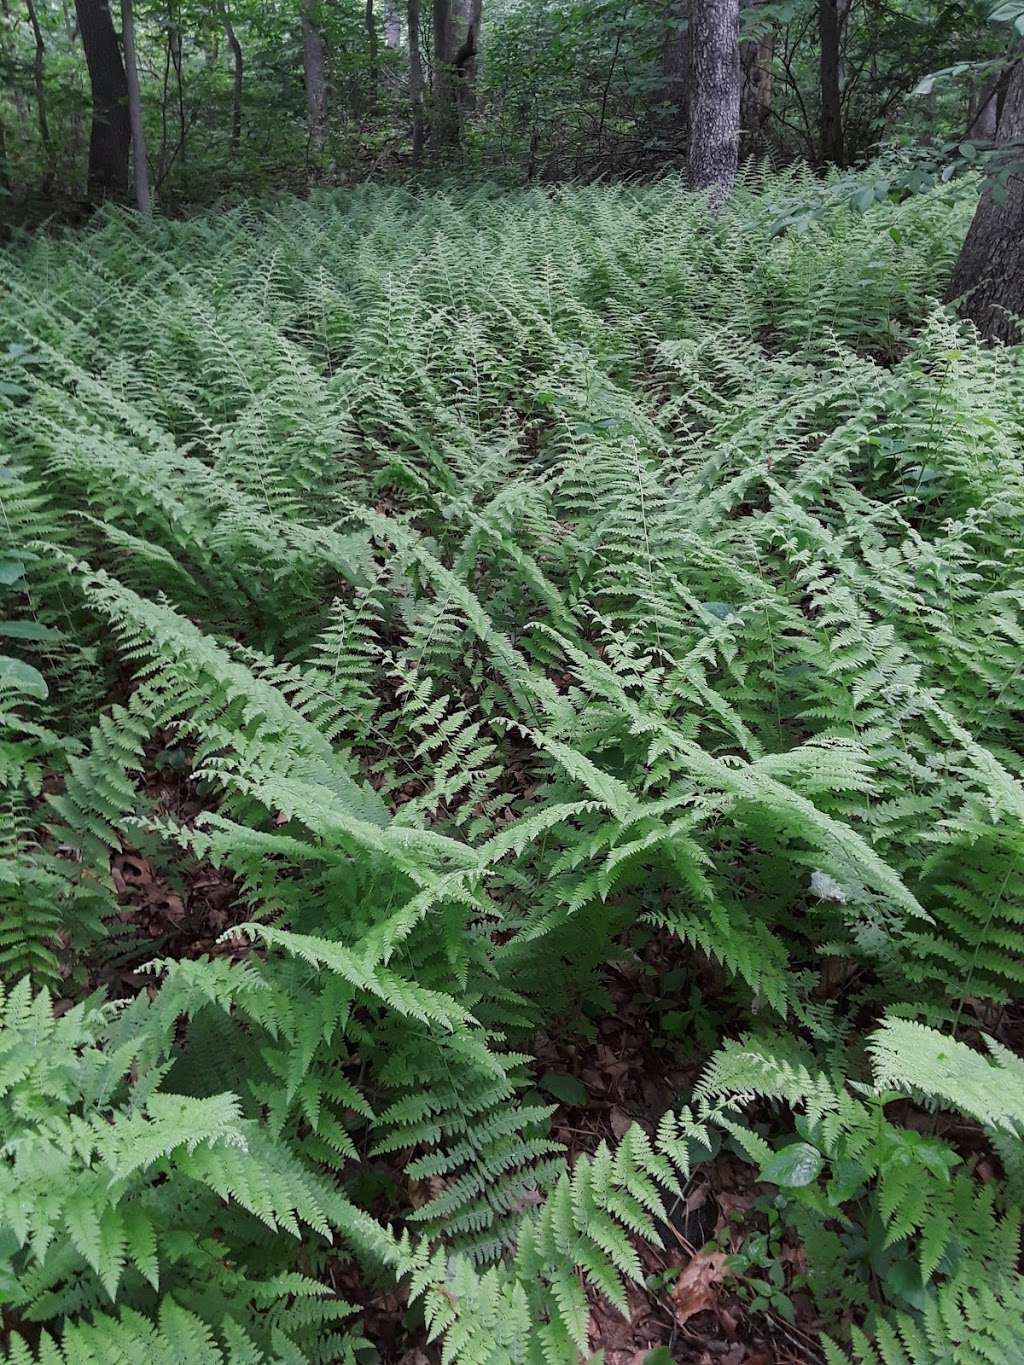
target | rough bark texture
[
  {"x": 714, "y": 98},
  {"x": 756, "y": 58},
  {"x": 416, "y": 81},
  {"x": 675, "y": 63},
  {"x": 989, "y": 276},
  {"x": 313, "y": 68},
  {"x": 140, "y": 163},
  {"x": 111, "y": 133},
  {"x": 831, "y": 23}
]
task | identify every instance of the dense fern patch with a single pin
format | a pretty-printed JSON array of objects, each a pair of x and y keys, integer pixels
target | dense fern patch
[{"x": 472, "y": 589}]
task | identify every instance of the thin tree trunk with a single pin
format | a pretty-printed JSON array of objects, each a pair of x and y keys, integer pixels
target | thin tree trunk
[
  {"x": 174, "y": 45},
  {"x": 416, "y": 81},
  {"x": 675, "y": 63},
  {"x": 111, "y": 133},
  {"x": 161, "y": 156},
  {"x": 469, "y": 51},
  {"x": 831, "y": 23},
  {"x": 236, "y": 96},
  {"x": 445, "y": 109},
  {"x": 38, "y": 76},
  {"x": 316, "y": 83},
  {"x": 140, "y": 165},
  {"x": 5, "y": 173},
  {"x": 989, "y": 276},
  {"x": 714, "y": 98},
  {"x": 371, "y": 47},
  {"x": 756, "y": 57}
]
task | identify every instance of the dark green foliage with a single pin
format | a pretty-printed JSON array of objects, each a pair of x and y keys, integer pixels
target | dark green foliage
[{"x": 558, "y": 90}]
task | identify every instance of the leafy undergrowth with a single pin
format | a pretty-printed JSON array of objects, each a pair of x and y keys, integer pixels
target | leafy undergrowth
[{"x": 511, "y": 787}]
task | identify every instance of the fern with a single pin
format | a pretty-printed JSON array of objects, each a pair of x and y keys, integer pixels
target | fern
[{"x": 648, "y": 579}]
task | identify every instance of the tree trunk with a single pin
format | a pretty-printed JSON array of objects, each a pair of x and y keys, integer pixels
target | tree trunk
[
  {"x": 675, "y": 63},
  {"x": 831, "y": 23},
  {"x": 174, "y": 47},
  {"x": 393, "y": 26},
  {"x": 236, "y": 96},
  {"x": 984, "y": 120},
  {"x": 445, "y": 110},
  {"x": 756, "y": 58},
  {"x": 371, "y": 46},
  {"x": 983, "y": 124},
  {"x": 313, "y": 73},
  {"x": 468, "y": 51},
  {"x": 714, "y": 98},
  {"x": 989, "y": 276},
  {"x": 140, "y": 165},
  {"x": 5, "y": 173},
  {"x": 38, "y": 76},
  {"x": 111, "y": 132},
  {"x": 416, "y": 81}
]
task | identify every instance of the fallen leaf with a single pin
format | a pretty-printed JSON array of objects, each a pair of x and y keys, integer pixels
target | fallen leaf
[
  {"x": 127, "y": 870},
  {"x": 696, "y": 1289},
  {"x": 620, "y": 1121}
]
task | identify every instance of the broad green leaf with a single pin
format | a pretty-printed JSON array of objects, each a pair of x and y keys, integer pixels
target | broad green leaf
[
  {"x": 565, "y": 1088},
  {"x": 29, "y": 630},
  {"x": 18, "y": 676},
  {"x": 794, "y": 1166}
]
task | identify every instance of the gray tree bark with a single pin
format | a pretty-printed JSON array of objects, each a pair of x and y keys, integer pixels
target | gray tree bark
[
  {"x": 313, "y": 67},
  {"x": 989, "y": 276},
  {"x": 714, "y": 98},
  {"x": 984, "y": 120},
  {"x": 140, "y": 162},
  {"x": 393, "y": 26}
]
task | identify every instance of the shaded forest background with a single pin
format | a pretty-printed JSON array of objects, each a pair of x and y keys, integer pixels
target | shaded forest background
[{"x": 241, "y": 96}]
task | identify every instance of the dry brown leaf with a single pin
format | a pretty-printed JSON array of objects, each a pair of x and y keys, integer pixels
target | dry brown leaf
[
  {"x": 128, "y": 870},
  {"x": 620, "y": 1121},
  {"x": 696, "y": 1289}
]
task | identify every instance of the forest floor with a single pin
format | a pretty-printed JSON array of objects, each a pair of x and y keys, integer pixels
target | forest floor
[{"x": 476, "y": 657}]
